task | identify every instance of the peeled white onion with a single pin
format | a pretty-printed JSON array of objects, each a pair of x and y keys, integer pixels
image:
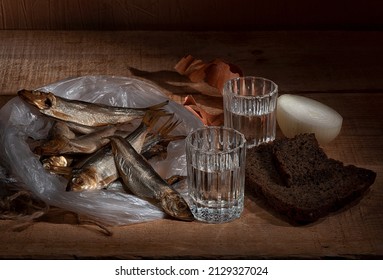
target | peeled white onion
[{"x": 297, "y": 114}]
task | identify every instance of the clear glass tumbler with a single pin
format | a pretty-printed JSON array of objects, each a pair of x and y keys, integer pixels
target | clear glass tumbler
[
  {"x": 216, "y": 158},
  {"x": 249, "y": 107}
]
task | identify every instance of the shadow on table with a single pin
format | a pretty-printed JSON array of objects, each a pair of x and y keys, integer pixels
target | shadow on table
[
  {"x": 177, "y": 87},
  {"x": 278, "y": 219}
]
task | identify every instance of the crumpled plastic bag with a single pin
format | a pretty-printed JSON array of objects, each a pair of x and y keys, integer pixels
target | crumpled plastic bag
[{"x": 19, "y": 121}]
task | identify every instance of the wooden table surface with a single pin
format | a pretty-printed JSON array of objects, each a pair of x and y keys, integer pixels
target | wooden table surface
[{"x": 343, "y": 69}]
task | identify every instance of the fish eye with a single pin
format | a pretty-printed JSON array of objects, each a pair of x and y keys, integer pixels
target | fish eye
[
  {"x": 77, "y": 180},
  {"x": 48, "y": 102},
  {"x": 181, "y": 205}
]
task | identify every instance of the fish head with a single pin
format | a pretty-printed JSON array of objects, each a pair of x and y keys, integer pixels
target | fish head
[
  {"x": 175, "y": 205},
  {"x": 41, "y": 100},
  {"x": 82, "y": 181},
  {"x": 55, "y": 161}
]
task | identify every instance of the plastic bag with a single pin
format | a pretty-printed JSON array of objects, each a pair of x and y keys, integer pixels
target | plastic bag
[{"x": 19, "y": 121}]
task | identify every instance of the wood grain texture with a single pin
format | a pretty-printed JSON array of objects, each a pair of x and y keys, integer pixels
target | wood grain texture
[
  {"x": 188, "y": 15},
  {"x": 298, "y": 61},
  {"x": 341, "y": 69}
]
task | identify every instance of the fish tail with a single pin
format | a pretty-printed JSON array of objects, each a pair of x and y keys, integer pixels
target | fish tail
[
  {"x": 171, "y": 138},
  {"x": 158, "y": 107},
  {"x": 168, "y": 126},
  {"x": 161, "y": 135},
  {"x": 151, "y": 117},
  {"x": 166, "y": 129}
]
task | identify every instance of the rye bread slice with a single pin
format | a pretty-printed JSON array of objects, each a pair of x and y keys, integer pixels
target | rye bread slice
[{"x": 298, "y": 180}]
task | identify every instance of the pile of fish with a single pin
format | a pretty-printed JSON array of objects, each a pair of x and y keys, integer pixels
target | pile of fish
[{"x": 93, "y": 145}]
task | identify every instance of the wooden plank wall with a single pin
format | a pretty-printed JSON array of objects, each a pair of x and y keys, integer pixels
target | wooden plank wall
[{"x": 190, "y": 15}]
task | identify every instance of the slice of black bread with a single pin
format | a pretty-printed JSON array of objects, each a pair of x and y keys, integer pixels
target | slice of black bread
[
  {"x": 297, "y": 179},
  {"x": 300, "y": 160}
]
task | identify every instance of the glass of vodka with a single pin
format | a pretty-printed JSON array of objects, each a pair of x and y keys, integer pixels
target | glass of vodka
[
  {"x": 216, "y": 158},
  {"x": 249, "y": 107}
]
